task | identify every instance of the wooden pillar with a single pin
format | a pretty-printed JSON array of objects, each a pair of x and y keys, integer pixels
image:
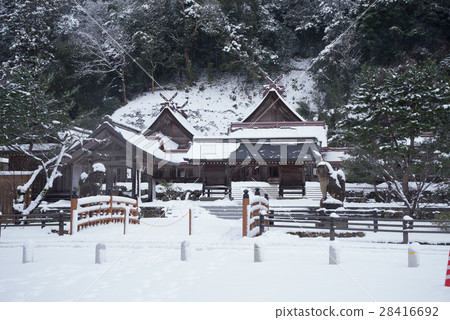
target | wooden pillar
[
  {"x": 405, "y": 233},
  {"x": 190, "y": 222},
  {"x": 110, "y": 210},
  {"x": 136, "y": 186},
  {"x": 203, "y": 178},
  {"x": 228, "y": 179},
  {"x": 73, "y": 207},
  {"x": 280, "y": 182},
  {"x": 150, "y": 188},
  {"x": 261, "y": 224},
  {"x": 303, "y": 179},
  {"x": 245, "y": 203},
  {"x": 109, "y": 177},
  {"x": 332, "y": 230},
  {"x": 61, "y": 223},
  {"x": 138, "y": 183},
  {"x": 133, "y": 182}
]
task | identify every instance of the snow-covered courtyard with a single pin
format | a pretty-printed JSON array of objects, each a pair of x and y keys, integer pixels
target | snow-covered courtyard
[{"x": 145, "y": 264}]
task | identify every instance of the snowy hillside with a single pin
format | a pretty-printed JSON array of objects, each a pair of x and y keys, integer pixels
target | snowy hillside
[{"x": 213, "y": 105}]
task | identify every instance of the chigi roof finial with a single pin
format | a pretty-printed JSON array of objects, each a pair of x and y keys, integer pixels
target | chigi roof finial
[
  {"x": 274, "y": 84},
  {"x": 169, "y": 103}
]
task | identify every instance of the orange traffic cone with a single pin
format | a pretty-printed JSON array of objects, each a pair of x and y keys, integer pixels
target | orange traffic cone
[{"x": 447, "y": 277}]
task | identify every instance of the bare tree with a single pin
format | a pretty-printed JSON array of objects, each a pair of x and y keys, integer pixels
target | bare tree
[{"x": 102, "y": 44}]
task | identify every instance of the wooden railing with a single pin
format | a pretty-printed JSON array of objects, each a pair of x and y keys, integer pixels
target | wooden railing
[
  {"x": 252, "y": 209},
  {"x": 96, "y": 210}
]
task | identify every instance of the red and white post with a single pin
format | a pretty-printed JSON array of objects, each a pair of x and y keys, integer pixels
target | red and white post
[
  {"x": 447, "y": 277},
  {"x": 245, "y": 203}
]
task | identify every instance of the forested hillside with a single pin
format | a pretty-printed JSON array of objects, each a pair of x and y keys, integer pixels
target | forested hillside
[{"x": 96, "y": 55}]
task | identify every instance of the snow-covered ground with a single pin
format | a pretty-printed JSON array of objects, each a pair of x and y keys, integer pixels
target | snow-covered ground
[
  {"x": 145, "y": 265},
  {"x": 231, "y": 98}
]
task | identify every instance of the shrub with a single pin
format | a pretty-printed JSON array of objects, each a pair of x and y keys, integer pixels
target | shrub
[{"x": 444, "y": 225}]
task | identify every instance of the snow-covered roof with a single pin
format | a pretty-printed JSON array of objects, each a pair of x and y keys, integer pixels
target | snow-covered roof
[
  {"x": 335, "y": 154},
  {"x": 290, "y": 130},
  {"x": 125, "y": 130},
  {"x": 243, "y": 149},
  {"x": 182, "y": 120},
  {"x": 160, "y": 147},
  {"x": 77, "y": 132},
  {"x": 300, "y": 118},
  {"x": 212, "y": 149},
  {"x": 178, "y": 156},
  {"x": 41, "y": 147},
  {"x": 151, "y": 145},
  {"x": 16, "y": 173}
]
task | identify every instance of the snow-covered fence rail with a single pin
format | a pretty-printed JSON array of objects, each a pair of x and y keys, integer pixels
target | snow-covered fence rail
[
  {"x": 253, "y": 209},
  {"x": 42, "y": 219},
  {"x": 335, "y": 222},
  {"x": 95, "y": 210}
]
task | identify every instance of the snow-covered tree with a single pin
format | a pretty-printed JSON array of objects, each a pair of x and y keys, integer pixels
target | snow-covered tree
[
  {"x": 29, "y": 29},
  {"x": 34, "y": 123},
  {"x": 334, "y": 72},
  {"x": 255, "y": 38},
  {"x": 398, "y": 124},
  {"x": 102, "y": 42},
  {"x": 198, "y": 20}
]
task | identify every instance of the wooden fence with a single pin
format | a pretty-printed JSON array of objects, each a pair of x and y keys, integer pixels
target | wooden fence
[
  {"x": 43, "y": 219},
  {"x": 257, "y": 218},
  {"x": 95, "y": 210},
  {"x": 351, "y": 223}
]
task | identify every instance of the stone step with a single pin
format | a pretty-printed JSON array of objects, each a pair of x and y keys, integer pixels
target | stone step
[
  {"x": 313, "y": 191},
  {"x": 235, "y": 212},
  {"x": 237, "y": 189},
  {"x": 227, "y": 212}
]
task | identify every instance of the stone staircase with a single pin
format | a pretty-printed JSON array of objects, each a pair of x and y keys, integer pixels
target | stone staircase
[
  {"x": 235, "y": 212},
  {"x": 313, "y": 190},
  {"x": 225, "y": 212},
  {"x": 237, "y": 189}
]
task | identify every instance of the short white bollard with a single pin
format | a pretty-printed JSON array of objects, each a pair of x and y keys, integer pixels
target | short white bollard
[
  {"x": 333, "y": 256},
  {"x": 413, "y": 255},
  {"x": 185, "y": 251},
  {"x": 257, "y": 255},
  {"x": 27, "y": 253},
  {"x": 100, "y": 253}
]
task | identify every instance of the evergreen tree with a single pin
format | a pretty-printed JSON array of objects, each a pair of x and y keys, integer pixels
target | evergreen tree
[
  {"x": 394, "y": 30},
  {"x": 390, "y": 112},
  {"x": 30, "y": 112},
  {"x": 29, "y": 27}
]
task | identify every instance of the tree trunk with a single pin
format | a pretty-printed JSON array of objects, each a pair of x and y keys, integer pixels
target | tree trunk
[
  {"x": 124, "y": 88},
  {"x": 153, "y": 80},
  {"x": 377, "y": 196},
  {"x": 153, "y": 75},
  {"x": 189, "y": 70},
  {"x": 405, "y": 185}
]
